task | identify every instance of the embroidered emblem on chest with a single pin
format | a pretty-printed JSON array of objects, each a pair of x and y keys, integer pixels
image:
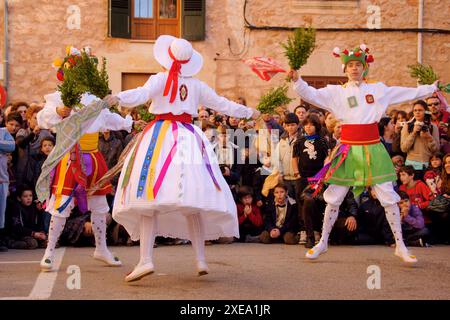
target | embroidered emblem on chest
[
  {"x": 352, "y": 102},
  {"x": 370, "y": 99},
  {"x": 183, "y": 92}
]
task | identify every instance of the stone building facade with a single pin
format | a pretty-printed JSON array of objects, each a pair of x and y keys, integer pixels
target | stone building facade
[{"x": 39, "y": 31}]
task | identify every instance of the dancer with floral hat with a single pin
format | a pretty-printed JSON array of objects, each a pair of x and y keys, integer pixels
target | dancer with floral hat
[
  {"x": 76, "y": 164},
  {"x": 361, "y": 159},
  {"x": 171, "y": 184}
]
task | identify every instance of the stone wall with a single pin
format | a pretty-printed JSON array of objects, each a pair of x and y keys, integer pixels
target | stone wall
[{"x": 39, "y": 33}]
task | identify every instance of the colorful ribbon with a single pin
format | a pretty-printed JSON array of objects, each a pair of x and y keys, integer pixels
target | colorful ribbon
[
  {"x": 201, "y": 145},
  {"x": 148, "y": 158},
  {"x": 172, "y": 79}
]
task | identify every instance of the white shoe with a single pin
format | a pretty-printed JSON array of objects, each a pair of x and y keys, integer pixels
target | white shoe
[
  {"x": 302, "y": 239},
  {"x": 316, "y": 251},
  {"x": 108, "y": 258},
  {"x": 405, "y": 255},
  {"x": 202, "y": 268},
  {"x": 140, "y": 271},
  {"x": 47, "y": 264}
]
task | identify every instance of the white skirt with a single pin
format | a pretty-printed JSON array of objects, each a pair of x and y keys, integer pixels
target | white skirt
[{"x": 185, "y": 187}]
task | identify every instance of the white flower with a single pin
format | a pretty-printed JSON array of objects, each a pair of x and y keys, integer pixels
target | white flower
[
  {"x": 75, "y": 51},
  {"x": 87, "y": 49},
  {"x": 363, "y": 47},
  {"x": 336, "y": 50}
]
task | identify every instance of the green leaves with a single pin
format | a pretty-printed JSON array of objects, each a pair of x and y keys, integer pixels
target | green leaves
[
  {"x": 424, "y": 73},
  {"x": 276, "y": 97},
  {"x": 299, "y": 47}
]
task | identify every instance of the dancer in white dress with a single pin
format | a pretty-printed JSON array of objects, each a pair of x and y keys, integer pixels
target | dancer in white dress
[{"x": 171, "y": 184}]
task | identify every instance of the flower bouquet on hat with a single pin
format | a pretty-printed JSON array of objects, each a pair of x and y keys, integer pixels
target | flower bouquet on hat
[{"x": 80, "y": 74}]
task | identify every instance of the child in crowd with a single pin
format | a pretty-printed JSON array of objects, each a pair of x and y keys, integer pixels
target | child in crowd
[
  {"x": 432, "y": 176},
  {"x": 309, "y": 154},
  {"x": 27, "y": 221},
  {"x": 249, "y": 216},
  {"x": 413, "y": 224},
  {"x": 419, "y": 193},
  {"x": 280, "y": 218}
]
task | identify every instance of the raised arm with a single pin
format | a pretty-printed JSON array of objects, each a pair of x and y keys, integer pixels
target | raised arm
[
  {"x": 48, "y": 117},
  {"x": 394, "y": 95},
  {"x": 210, "y": 99},
  {"x": 318, "y": 97},
  {"x": 140, "y": 95}
]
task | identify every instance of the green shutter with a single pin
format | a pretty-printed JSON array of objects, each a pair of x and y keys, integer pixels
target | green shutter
[
  {"x": 193, "y": 19},
  {"x": 120, "y": 18}
]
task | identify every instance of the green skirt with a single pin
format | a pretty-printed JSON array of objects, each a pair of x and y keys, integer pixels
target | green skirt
[{"x": 363, "y": 167}]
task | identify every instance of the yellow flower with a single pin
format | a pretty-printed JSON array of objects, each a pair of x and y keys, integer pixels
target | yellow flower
[
  {"x": 57, "y": 63},
  {"x": 68, "y": 49}
]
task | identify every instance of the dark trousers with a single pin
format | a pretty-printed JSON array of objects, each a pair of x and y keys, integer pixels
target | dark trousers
[
  {"x": 310, "y": 210},
  {"x": 412, "y": 235},
  {"x": 248, "y": 229},
  {"x": 295, "y": 191},
  {"x": 340, "y": 234},
  {"x": 287, "y": 238}
]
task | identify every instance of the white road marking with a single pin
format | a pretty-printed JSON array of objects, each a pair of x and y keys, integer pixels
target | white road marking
[
  {"x": 18, "y": 262},
  {"x": 43, "y": 286}
]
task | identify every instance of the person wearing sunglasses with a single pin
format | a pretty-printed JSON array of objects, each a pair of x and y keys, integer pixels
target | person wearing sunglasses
[{"x": 441, "y": 118}]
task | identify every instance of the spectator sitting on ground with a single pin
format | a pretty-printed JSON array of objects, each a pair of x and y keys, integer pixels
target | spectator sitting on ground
[
  {"x": 249, "y": 216},
  {"x": 27, "y": 221},
  {"x": 432, "y": 176},
  {"x": 419, "y": 193},
  {"x": 373, "y": 227},
  {"x": 280, "y": 218},
  {"x": 414, "y": 231}
]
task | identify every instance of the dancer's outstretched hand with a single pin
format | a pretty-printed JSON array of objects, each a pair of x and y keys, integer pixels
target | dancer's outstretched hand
[
  {"x": 256, "y": 114},
  {"x": 293, "y": 75},
  {"x": 63, "y": 111},
  {"x": 111, "y": 100}
]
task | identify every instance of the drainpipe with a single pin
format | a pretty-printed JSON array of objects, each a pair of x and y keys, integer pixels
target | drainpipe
[
  {"x": 419, "y": 35},
  {"x": 6, "y": 48}
]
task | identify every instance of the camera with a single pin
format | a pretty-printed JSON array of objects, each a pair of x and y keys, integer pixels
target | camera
[{"x": 425, "y": 128}]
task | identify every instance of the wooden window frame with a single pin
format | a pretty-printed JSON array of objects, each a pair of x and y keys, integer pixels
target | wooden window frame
[{"x": 151, "y": 28}]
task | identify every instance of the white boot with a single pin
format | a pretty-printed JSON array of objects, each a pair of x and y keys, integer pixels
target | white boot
[
  {"x": 393, "y": 217},
  {"x": 55, "y": 229},
  {"x": 330, "y": 216},
  {"x": 196, "y": 233},
  {"x": 145, "y": 266},
  {"x": 101, "y": 252}
]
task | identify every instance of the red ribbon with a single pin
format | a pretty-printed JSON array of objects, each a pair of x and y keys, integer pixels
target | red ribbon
[{"x": 172, "y": 79}]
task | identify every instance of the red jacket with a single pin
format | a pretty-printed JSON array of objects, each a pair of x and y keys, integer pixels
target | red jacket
[
  {"x": 420, "y": 194},
  {"x": 254, "y": 217}
]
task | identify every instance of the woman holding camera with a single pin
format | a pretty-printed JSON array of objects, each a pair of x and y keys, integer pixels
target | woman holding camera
[{"x": 419, "y": 138}]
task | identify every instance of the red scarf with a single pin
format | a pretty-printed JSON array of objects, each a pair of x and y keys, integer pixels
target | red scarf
[{"x": 172, "y": 79}]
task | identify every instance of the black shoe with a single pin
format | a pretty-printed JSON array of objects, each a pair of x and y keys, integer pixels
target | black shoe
[{"x": 309, "y": 243}]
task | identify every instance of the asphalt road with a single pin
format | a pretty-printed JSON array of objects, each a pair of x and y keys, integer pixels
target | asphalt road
[{"x": 237, "y": 271}]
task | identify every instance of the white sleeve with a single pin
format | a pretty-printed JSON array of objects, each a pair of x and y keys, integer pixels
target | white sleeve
[
  {"x": 134, "y": 97},
  {"x": 394, "y": 95},
  {"x": 47, "y": 117},
  {"x": 114, "y": 122},
  {"x": 210, "y": 99},
  {"x": 322, "y": 98}
]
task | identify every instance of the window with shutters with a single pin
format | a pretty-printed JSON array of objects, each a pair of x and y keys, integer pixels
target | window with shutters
[{"x": 148, "y": 19}]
